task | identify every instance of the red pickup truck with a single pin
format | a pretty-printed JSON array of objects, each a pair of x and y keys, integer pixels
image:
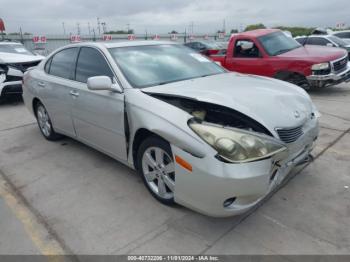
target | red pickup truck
[{"x": 270, "y": 52}]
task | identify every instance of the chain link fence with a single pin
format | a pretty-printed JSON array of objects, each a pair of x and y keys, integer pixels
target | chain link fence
[{"x": 52, "y": 42}]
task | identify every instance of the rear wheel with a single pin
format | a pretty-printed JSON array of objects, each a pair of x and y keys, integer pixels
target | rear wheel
[
  {"x": 44, "y": 123},
  {"x": 156, "y": 165}
]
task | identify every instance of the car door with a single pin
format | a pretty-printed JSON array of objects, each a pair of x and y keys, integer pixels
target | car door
[
  {"x": 98, "y": 116},
  {"x": 247, "y": 58},
  {"x": 56, "y": 87}
]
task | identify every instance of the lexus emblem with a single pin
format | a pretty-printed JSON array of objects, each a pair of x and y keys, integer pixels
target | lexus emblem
[{"x": 297, "y": 114}]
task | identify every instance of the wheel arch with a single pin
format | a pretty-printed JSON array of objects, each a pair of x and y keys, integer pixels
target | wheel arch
[
  {"x": 35, "y": 103},
  {"x": 140, "y": 135}
]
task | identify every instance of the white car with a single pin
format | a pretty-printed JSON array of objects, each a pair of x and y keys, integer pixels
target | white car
[
  {"x": 324, "y": 40},
  {"x": 15, "y": 59},
  {"x": 345, "y": 35},
  {"x": 211, "y": 140}
]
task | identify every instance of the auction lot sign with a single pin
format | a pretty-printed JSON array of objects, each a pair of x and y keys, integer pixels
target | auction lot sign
[
  {"x": 156, "y": 37},
  {"x": 131, "y": 37},
  {"x": 107, "y": 37},
  {"x": 75, "y": 38},
  {"x": 173, "y": 37},
  {"x": 39, "y": 39},
  {"x": 221, "y": 35}
]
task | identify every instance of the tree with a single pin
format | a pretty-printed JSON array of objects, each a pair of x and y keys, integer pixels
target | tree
[
  {"x": 297, "y": 31},
  {"x": 254, "y": 27},
  {"x": 120, "y": 32},
  {"x": 173, "y": 32},
  {"x": 234, "y": 31}
]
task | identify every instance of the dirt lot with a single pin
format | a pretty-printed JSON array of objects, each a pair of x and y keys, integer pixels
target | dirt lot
[{"x": 64, "y": 197}]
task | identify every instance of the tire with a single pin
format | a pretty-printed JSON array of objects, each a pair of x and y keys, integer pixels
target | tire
[
  {"x": 44, "y": 123},
  {"x": 155, "y": 164}
]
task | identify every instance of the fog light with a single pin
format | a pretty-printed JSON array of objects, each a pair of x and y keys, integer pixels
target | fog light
[
  {"x": 2, "y": 78},
  {"x": 228, "y": 202}
]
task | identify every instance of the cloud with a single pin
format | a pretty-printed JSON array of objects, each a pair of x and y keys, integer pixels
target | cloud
[{"x": 161, "y": 16}]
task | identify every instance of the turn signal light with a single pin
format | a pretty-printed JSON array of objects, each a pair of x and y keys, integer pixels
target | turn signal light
[{"x": 183, "y": 163}]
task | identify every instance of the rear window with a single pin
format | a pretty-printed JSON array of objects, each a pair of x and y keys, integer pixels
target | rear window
[
  {"x": 343, "y": 34},
  {"x": 63, "y": 63}
]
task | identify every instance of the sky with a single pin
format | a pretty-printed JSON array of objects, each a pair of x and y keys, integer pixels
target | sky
[{"x": 162, "y": 16}]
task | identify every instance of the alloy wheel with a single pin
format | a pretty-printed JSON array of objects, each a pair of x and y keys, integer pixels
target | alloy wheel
[{"x": 159, "y": 172}]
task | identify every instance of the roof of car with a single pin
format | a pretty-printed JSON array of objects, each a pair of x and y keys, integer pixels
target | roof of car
[
  {"x": 122, "y": 43},
  {"x": 342, "y": 31},
  {"x": 9, "y": 43},
  {"x": 259, "y": 32}
]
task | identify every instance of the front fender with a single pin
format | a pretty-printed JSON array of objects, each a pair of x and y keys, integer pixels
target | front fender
[{"x": 163, "y": 119}]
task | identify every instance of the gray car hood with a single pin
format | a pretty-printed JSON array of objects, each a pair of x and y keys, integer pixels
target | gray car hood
[{"x": 273, "y": 103}]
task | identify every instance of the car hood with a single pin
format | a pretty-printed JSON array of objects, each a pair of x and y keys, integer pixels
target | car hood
[
  {"x": 11, "y": 58},
  {"x": 273, "y": 103},
  {"x": 316, "y": 53}
]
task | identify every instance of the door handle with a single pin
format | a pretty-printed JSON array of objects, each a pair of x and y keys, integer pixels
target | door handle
[
  {"x": 74, "y": 93},
  {"x": 41, "y": 84}
]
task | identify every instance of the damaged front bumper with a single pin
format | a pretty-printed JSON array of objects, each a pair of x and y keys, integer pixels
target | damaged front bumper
[
  {"x": 221, "y": 189},
  {"x": 329, "y": 79},
  {"x": 11, "y": 82}
]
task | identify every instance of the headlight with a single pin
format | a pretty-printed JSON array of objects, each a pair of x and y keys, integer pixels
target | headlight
[
  {"x": 322, "y": 66},
  {"x": 235, "y": 145}
]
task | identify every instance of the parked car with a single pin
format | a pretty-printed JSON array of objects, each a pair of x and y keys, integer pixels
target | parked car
[
  {"x": 345, "y": 35},
  {"x": 206, "y": 47},
  {"x": 14, "y": 60},
  {"x": 269, "y": 52},
  {"x": 324, "y": 40},
  {"x": 208, "y": 139}
]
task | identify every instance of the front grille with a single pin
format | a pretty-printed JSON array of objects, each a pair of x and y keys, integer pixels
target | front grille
[
  {"x": 340, "y": 65},
  {"x": 24, "y": 66},
  {"x": 290, "y": 135}
]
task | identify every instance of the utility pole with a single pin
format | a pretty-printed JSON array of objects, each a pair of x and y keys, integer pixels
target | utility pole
[
  {"x": 104, "y": 27},
  {"x": 64, "y": 28},
  {"x": 20, "y": 32},
  {"x": 89, "y": 28},
  {"x": 98, "y": 25},
  {"x": 78, "y": 29},
  {"x": 128, "y": 28},
  {"x": 192, "y": 27}
]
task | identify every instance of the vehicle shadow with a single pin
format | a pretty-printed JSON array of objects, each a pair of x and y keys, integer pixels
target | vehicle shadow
[{"x": 335, "y": 91}]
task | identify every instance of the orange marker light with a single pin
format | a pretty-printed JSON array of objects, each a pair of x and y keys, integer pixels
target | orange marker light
[{"x": 183, "y": 163}]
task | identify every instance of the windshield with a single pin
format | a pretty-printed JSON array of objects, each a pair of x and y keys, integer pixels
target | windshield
[
  {"x": 278, "y": 43},
  {"x": 145, "y": 66},
  {"x": 338, "y": 41},
  {"x": 14, "y": 49}
]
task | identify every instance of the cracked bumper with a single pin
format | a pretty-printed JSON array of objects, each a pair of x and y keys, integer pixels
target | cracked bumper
[{"x": 211, "y": 181}]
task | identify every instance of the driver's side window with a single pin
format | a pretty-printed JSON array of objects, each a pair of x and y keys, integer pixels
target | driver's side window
[
  {"x": 246, "y": 49},
  {"x": 91, "y": 63}
]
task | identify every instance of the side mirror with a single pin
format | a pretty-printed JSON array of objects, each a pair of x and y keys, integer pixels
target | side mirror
[
  {"x": 98, "y": 83},
  {"x": 330, "y": 45}
]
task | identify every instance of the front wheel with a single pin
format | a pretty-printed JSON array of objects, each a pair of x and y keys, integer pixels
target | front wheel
[
  {"x": 156, "y": 166},
  {"x": 44, "y": 123}
]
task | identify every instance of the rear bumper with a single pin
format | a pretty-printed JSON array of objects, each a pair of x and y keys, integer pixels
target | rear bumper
[{"x": 330, "y": 79}]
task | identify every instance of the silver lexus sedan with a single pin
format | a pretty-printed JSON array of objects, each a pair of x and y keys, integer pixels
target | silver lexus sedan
[{"x": 211, "y": 140}]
